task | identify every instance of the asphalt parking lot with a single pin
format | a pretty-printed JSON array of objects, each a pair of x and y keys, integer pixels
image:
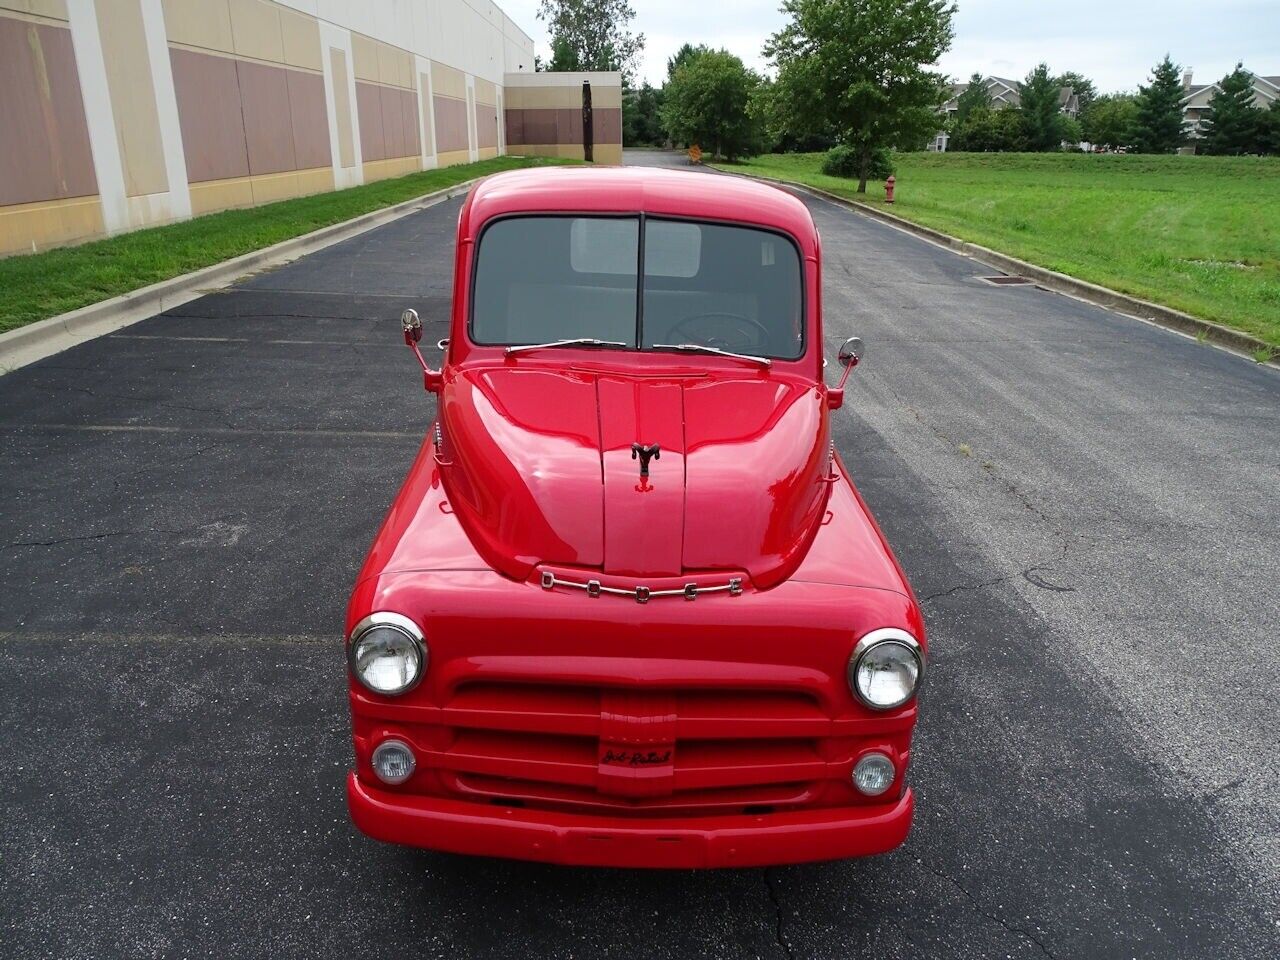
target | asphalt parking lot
[{"x": 1086, "y": 506}]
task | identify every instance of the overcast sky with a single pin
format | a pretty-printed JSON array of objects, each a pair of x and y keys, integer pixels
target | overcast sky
[{"x": 1115, "y": 42}]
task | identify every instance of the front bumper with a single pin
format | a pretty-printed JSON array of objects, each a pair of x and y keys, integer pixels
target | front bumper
[{"x": 742, "y": 840}]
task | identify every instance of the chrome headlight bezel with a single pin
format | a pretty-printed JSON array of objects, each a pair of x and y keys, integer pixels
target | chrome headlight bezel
[
  {"x": 401, "y": 624},
  {"x": 877, "y": 638}
]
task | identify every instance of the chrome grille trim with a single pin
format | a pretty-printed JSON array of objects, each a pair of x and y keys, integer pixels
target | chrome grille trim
[{"x": 641, "y": 594}]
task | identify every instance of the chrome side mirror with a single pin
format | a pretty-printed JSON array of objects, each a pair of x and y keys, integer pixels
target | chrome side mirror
[
  {"x": 412, "y": 324},
  {"x": 851, "y": 351},
  {"x": 433, "y": 380}
]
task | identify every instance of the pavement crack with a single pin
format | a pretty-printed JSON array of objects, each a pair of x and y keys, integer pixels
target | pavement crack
[
  {"x": 59, "y": 541},
  {"x": 779, "y": 934},
  {"x": 1031, "y": 574},
  {"x": 129, "y": 475},
  {"x": 994, "y": 918}
]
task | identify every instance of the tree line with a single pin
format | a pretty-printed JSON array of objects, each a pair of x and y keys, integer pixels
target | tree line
[
  {"x": 1149, "y": 121},
  {"x": 854, "y": 77}
]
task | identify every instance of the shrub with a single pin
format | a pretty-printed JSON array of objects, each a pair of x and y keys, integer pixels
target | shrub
[{"x": 842, "y": 161}]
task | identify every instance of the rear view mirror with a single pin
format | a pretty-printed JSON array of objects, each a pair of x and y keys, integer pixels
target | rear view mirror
[
  {"x": 851, "y": 351},
  {"x": 412, "y": 324}
]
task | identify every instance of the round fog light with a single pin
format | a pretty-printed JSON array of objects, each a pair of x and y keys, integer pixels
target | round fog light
[
  {"x": 393, "y": 761},
  {"x": 873, "y": 774}
]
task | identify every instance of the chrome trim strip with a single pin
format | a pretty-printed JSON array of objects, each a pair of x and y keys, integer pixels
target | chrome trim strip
[{"x": 642, "y": 594}]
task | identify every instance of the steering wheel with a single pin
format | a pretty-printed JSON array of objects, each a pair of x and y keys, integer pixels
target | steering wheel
[{"x": 726, "y": 331}]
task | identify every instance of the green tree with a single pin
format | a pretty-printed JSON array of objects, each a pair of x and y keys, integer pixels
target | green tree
[
  {"x": 975, "y": 96},
  {"x": 1269, "y": 129},
  {"x": 860, "y": 68},
  {"x": 591, "y": 34},
  {"x": 641, "y": 124},
  {"x": 684, "y": 56},
  {"x": 990, "y": 131},
  {"x": 1080, "y": 85},
  {"x": 1157, "y": 128},
  {"x": 1110, "y": 119},
  {"x": 1043, "y": 122},
  {"x": 1232, "y": 124},
  {"x": 709, "y": 102}
]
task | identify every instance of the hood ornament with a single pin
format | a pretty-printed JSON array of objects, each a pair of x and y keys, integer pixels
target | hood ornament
[{"x": 645, "y": 453}]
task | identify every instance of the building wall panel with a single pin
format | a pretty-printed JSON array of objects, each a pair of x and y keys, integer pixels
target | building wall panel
[
  {"x": 408, "y": 103},
  {"x": 44, "y": 146},
  {"x": 486, "y": 126},
  {"x": 373, "y": 141},
  {"x": 309, "y": 119},
  {"x": 209, "y": 115},
  {"x": 264, "y": 97},
  {"x": 392, "y": 123},
  {"x": 451, "y": 124}
]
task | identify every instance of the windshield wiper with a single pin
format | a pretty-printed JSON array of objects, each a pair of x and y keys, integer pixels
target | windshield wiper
[
  {"x": 700, "y": 348},
  {"x": 575, "y": 342}
]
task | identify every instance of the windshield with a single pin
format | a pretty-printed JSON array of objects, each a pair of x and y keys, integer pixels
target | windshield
[{"x": 547, "y": 278}]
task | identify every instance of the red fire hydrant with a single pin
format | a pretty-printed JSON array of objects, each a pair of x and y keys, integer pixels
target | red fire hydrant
[{"x": 888, "y": 189}]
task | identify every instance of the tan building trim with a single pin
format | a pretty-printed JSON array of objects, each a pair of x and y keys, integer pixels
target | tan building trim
[
  {"x": 214, "y": 195},
  {"x": 424, "y": 109},
  {"x": 342, "y": 106},
  {"x": 31, "y": 227},
  {"x": 133, "y": 99},
  {"x": 237, "y": 58},
  {"x": 451, "y": 157},
  {"x": 448, "y": 82},
  {"x": 393, "y": 167},
  {"x": 247, "y": 29},
  {"x": 378, "y": 62},
  {"x": 203, "y": 24},
  {"x": 39, "y": 11},
  {"x": 256, "y": 31},
  {"x": 486, "y": 92}
]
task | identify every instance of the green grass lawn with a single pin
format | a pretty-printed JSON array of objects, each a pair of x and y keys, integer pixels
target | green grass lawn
[
  {"x": 1201, "y": 234},
  {"x": 41, "y": 285}
]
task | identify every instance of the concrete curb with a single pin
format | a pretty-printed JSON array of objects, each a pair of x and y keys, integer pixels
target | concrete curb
[
  {"x": 46, "y": 337},
  {"x": 1100, "y": 296}
]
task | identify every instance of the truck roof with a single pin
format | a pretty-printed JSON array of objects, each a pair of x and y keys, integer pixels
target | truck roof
[{"x": 650, "y": 190}]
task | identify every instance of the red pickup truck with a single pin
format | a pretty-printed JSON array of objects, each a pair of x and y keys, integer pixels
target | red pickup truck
[{"x": 628, "y": 608}]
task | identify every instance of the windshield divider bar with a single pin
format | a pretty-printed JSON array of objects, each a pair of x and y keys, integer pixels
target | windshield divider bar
[{"x": 640, "y": 284}]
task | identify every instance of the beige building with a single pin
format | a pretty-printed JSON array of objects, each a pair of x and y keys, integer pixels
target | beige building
[
  {"x": 1196, "y": 99},
  {"x": 120, "y": 114},
  {"x": 1004, "y": 95}
]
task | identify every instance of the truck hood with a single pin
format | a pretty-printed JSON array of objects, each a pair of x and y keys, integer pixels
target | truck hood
[{"x": 539, "y": 469}]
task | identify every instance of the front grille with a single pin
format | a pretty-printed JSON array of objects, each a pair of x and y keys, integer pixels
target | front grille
[{"x": 632, "y": 750}]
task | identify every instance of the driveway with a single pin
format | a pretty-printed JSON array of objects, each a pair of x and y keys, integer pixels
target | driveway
[{"x": 1084, "y": 503}]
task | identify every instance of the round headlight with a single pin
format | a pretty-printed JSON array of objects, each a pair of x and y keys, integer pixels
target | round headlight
[
  {"x": 885, "y": 668},
  {"x": 873, "y": 774},
  {"x": 387, "y": 653},
  {"x": 393, "y": 761}
]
